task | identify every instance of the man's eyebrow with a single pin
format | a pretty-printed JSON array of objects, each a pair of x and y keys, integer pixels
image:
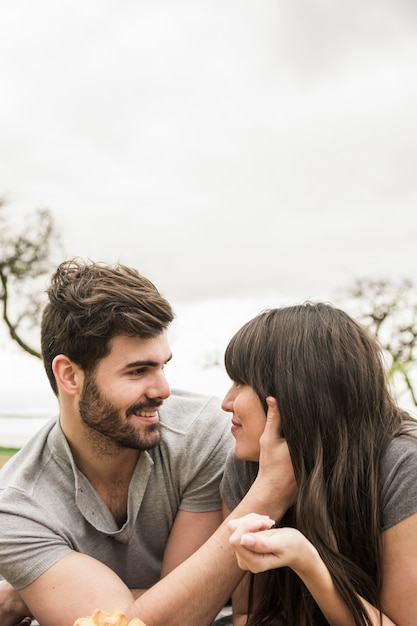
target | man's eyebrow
[{"x": 147, "y": 363}]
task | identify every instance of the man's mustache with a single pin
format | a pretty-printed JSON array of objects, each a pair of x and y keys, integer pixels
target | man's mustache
[{"x": 143, "y": 406}]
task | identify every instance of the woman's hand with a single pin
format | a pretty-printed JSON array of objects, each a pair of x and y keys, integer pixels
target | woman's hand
[
  {"x": 259, "y": 547},
  {"x": 275, "y": 482}
]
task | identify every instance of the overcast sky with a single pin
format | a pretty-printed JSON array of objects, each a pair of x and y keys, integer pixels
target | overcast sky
[{"x": 222, "y": 147}]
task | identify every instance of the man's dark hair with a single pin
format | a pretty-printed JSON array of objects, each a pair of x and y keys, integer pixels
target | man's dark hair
[{"x": 89, "y": 304}]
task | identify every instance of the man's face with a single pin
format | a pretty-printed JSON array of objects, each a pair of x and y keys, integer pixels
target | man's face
[{"x": 119, "y": 403}]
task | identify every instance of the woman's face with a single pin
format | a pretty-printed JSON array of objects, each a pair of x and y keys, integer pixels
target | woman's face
[{"x": 248, "y": 421}]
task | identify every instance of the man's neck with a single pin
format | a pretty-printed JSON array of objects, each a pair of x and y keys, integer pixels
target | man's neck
[{"x": 104, "y": 464}]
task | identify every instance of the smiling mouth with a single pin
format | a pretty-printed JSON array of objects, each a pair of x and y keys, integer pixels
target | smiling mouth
[
  {"x": 235, "y": 427},
  {"x": 150, "y": 416},
  {"x": 153, "y": 413},
  {"x": 149, "y": 411}
]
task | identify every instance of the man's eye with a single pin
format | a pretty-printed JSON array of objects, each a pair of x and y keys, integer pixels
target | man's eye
[{"x": 138, "y": 372}]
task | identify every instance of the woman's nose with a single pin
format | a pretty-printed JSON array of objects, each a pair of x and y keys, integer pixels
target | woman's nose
[{"x": 227, "y": 404}]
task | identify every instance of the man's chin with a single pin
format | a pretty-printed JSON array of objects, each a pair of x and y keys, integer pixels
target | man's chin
[
  {"x": 146, "y": 442},
  {"x": 151, "y": 442}
]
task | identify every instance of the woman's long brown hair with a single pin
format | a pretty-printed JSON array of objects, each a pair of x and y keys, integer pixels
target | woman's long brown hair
[{"x": 338, "y": 417}]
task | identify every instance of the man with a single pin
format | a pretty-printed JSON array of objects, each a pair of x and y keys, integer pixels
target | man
[
  {"x": 122, "y": 477},
  {"x": 121, "y": 494}
]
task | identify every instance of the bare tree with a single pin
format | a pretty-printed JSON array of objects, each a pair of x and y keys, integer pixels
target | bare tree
[
  {"x": 25, "y": 261},
  {"x": 389, "y": 310}
]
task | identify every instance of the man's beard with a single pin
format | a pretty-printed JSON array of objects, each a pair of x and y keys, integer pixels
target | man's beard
[{"x": 105, "y": 426}]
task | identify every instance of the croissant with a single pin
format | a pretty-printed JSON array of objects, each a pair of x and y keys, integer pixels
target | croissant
[{"x": 102, "y": 618}]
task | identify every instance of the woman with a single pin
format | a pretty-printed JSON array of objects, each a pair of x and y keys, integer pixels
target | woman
[{"x": 346, "y": 552}]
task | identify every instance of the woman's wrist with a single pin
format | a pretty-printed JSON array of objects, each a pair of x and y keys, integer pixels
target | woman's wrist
[{"x": 308, "y": 564}]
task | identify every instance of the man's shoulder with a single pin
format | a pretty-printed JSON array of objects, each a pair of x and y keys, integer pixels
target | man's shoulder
[
  {"x": 22, "y": 467},
  {"x": 183, "y": 406},
  {"x": 195, "y": 437},
  {"x": 184, "y": 410}
]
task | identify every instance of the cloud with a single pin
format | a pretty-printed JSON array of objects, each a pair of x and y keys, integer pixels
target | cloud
[{"x": 218, "y": 146}]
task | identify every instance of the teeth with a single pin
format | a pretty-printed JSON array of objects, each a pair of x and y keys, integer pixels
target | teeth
[{"x": 147, "y": 414}]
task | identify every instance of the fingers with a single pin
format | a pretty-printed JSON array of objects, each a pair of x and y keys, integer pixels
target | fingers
[
  {"x": 273, "y": 419},
  {"x": 257, "y": 542},
  {"x": 249, "y": 541},
  {"x": 247, "y": 526},
  {"x": 252, "y": 554},
  {"x": 273, "y": 411},
  {"x": 251, "y": 522},
  {"x": 253, "y": 551}
]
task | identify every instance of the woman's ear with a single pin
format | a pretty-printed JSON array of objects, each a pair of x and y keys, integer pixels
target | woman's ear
[{"x": 69, "y": 377}]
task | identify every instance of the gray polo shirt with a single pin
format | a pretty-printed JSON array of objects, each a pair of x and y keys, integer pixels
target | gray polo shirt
[{"x": 48, "y": 508}]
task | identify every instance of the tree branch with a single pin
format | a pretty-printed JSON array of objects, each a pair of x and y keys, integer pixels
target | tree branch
[{"x": 12, "y": 329}]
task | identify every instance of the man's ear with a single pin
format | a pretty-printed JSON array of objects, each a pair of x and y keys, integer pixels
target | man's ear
[{"x": 69, "y": 377}]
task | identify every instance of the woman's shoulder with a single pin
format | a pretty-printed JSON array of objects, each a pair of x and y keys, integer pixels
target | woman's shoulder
[
  {"x": 404, "y": 443},
  {"x": 237, "y": 478},
  {"x": 398, "y": 485}
]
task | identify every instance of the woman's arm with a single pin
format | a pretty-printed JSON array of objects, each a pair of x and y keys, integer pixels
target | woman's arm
[
  {"x": 261, "y": 550},
  {"x": 240, "y": 597},
  {"x": 399, "y": 585}
]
